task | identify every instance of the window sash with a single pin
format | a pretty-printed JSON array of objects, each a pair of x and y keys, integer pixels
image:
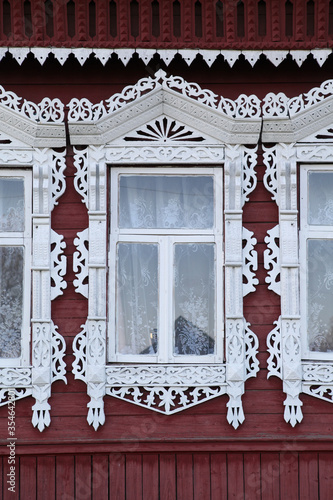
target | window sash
[
  {"x": 166, "y": 239},
  {"x": 308, "y": 232},
  {"x": 21, "y": 239}
]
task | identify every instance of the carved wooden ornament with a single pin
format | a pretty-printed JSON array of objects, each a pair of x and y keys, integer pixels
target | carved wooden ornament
[{"x": 157, "y": 123}]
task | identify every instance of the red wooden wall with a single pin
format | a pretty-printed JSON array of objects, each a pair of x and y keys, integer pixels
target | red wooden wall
[
  {"x": 195, "y": 454},
  {"x": 236, "y": 24}
]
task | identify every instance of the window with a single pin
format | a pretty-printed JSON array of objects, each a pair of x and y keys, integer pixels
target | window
[
  {"x": 165, "y": 261},
  {"x": 15, "y": 251},
  {"x": 32, "y": 264},
  {"x": 166, "y": 265},
  {"x": 316, "y": 250},
  {"x": 299, "y": 176}
]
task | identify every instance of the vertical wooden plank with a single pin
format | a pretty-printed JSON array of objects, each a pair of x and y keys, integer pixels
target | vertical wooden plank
[
  {"x": 289, "y": 475},
  {"x": 150, "y": 479},
  {"x": 83, "y": 476},
  {"x": 100, "y": 477},
  {"x": 65, "y": 477},
  {"x": 308, "y": 476},
  {"x": 270, "y": 474},
  {"x": 218, "y": 468},
  {"x": 45, "y": 478},
  {"x": 167, "y": 476},
  {"x": 325, "y": 475},
  {"x": 252, "y": 481},
  {"x": 13, "y": 476},
  {"x": 184, "y": 476},
  {"x": 117, "y": 476},
  {"x": 28, "y": 477},
  {"x": 235, "y": 470},
  {"x": 134, "y": 476},
  {"x": 201, "y": 471}
]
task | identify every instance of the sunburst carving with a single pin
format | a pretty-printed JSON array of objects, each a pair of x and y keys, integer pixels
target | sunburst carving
[{"x": 165, "y": 130}]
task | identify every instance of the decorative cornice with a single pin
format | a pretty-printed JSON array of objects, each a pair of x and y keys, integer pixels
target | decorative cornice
[
  {"x": 30, "y": 123},
  {"x": 294, "y": 120}
]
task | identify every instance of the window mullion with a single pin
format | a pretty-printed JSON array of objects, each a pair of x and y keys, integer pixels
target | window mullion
[{"x": 165, "y": 304}]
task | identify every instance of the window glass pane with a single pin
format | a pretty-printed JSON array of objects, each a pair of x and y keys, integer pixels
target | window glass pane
[
  {"x": 11, "y": 204},
  {"x": 194, "y": 296},
  {"x": 320, "y": 295},
  {"x": 11, "y": 301},
  {"x": 320, "y": 198},
  {"x": 166, "y": 202},
  {"x": 137, "y": 298}
]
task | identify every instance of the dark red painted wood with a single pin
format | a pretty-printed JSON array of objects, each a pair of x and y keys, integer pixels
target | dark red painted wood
[
  {"x": 46, "y": 477},
  {"x": 27, "y": 478},
  {"x": 202, "y": 473},
  {"x": 117, "y": 476},
  {"x": 235, "y": 471},
  {"x": 167, "y": 476},
  {"x": 65, "y": 477},
  {"x": 218, "y": 476},
  {"x": 252, "y": 476},
  {"x": 184, "y": 476},
  {"x": 100, "y": 474},
  {"x": 270, "y": 474},
  {"x": 325, "y": 476},
  {"x": 289, "y": 479},
  {"x": 83, "y": 476},
  {"x": 308, "y": 474},
  {"x": 134, "y": 476},
  {"x": 150, "y": 476}
]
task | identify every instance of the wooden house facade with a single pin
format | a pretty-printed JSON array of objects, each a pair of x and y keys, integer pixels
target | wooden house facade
[{"x": 166, "y": 258}]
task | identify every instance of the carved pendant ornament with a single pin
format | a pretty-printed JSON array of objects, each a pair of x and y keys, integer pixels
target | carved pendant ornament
[
  {"x": 147, "y": 136},
  {"x": 299, "y": 166},
  {"x": 28, "y": 131}
]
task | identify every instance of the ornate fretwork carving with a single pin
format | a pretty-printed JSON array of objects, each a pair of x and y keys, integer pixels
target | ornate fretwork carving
[
  {"x": 80, "y": 355},
  {"x": 26, "y": 129},
  {"x": 58, "y": 347},
  {"x": 165, "y": 388},
  {"x": 275, "y": 105},
  {"x": 272, "y": 259},
  {"x": 84, "y": 110},
  {"x": 161, "y": 375},
  {"x": 249, "y": 175},
  {"x": 58, "y": 265},
  {"x": 251, "y": 351},
  {"x": 250, "y": 262},
  {"x": 165, "y": 154},
  {"x": 48, "y": 110},
  {"x": 14, "y": 394},
  {"x": 58, "y": 185},
  {"x": 274, "y": 361},
  {"x": 271, "y": 174},
  {"x": 81, "y": 175},
  {"x": 80, "y": 262},
  {"x": 166, "y": 400},
  {"x": 164, "y": 130}
]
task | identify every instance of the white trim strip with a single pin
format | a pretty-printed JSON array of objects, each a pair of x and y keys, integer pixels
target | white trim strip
[{"x": 167, "y": 55}]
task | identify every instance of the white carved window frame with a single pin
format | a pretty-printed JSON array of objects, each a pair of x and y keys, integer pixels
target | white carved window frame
[
  {"x": 165, "y": 104},
  {"x": 28, "y": 135},
  {"x": 301, "y": 129}
]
